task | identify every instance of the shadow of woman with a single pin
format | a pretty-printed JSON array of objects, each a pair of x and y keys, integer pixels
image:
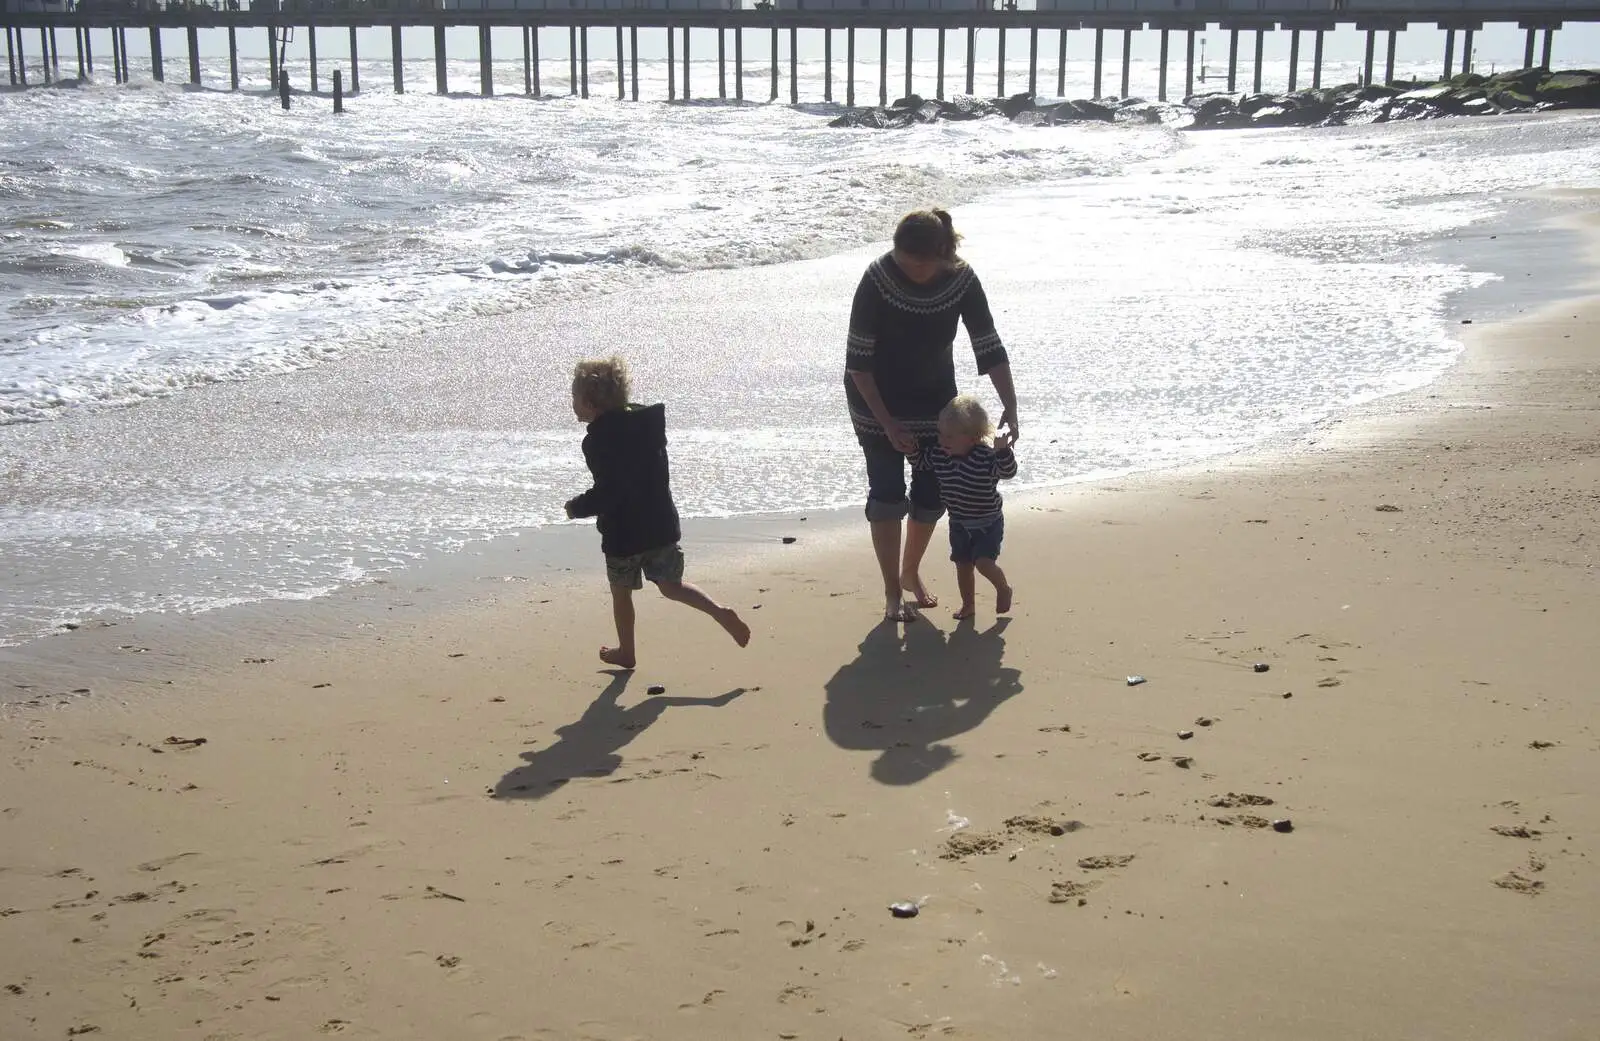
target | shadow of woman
[
  {"x": 588, "y": 746},
  {"x": 906, "y": 697}
]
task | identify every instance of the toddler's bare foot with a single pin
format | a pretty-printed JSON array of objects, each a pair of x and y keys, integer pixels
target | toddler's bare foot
[
  {"x": 1002, "y": 600},
  {"x": 912, "y": 583},
  {"x": 966, "y": 611},
  {"x": 616, "y": 656},
  {"x": 729, "y": 619},
  {"x": 897, "y": 610}
]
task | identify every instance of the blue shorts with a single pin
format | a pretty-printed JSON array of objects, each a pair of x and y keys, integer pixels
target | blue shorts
[
  {"x": 886, "y": 484},
  {"x": 968, "y": 544}
]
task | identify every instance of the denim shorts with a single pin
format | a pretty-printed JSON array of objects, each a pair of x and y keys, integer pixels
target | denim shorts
[
  {"x": 664, "y": 564},
  {"x": 886, "y": 483},
  {"x": 969, "y": 544}
]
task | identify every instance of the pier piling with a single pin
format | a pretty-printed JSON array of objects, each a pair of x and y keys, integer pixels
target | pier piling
[
  {"x": 127, "y": 74},
  {"x": 233, "y": 59},
  {"x": 622, "y": 69},
  {"x": 1527, "y": 52},
  {"x": 938, "y": 86},
  {"x": 194, "y": 57},
  {"x": 1388, "y": 58},
  {"x": 1294, "y": 59},
  {"x": 583, "y": 61},
  {"x": 909, "y": 34},
  {"x": 1449, "y": 52},
  {"x": 156, "y": 64},
  {"x": 722, "y": 63},
  {"x": 283, "y": 88},
  {"x": 1316, "y": 61},
  {"x": 1127, "y": 59},
  {"x": 1061, "y": 63},
  {"x": 11, "y": 57},
  {"x": 88, "y": 52},
  {"x": 311, "y": 44},
  {"x": 530, "y": 39},
  {"x": 485, "y": 61},
  {"x": 1466, "y": 51},
  {"x": 1188, "y": 65},
  {"x": 272, "y": 56},
  {"x": 972, "y": 55},
  {"x": 827, "y": 65},
  {"x": 883, "y": 66},
  {"x": 686, "y": 61},
  {"x": 633, "y": 58},
  {"x": 355, "y": 64},
  {"x": 1261, "y": 43},
  {"x": 338, "y": 91},
  {"x": 116, "y": 59},
  {"x": 738, "y": 65},
  {"x": 1372, "y": 38},
  {"x": 1000, "y": 83},
  {"x": 849, "y": 67},
  {"x": 572, "y": 60},
  {"x": 1099, "y": 58},
  {"x": 52, "y": 65},
  {"x": 774, "y": 64},
  {"x": 1161, "y": 89},
  {"x": 1233, "y": 60},
  {"x": 77, "y": 45},
  {"x": 1549, "y": 39},
  {"x": 794, "y": 65},
  {"x": 440, "y": 75},
  {"x": 398, "y": 59},
  {"x": 1033, "y": 62},
  {"x": 672, "y": 75}
]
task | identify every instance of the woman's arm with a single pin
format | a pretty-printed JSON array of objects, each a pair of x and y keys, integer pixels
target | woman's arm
[
  {"x": 1000, "y": 376},
  {"x": 990, "y": 353},
  {"x": 861, "y": 344},
  {"x": 867, "y": 384}
]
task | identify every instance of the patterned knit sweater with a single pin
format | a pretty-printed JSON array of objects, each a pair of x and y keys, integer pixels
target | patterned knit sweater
[{"x": 904, "y": 334}]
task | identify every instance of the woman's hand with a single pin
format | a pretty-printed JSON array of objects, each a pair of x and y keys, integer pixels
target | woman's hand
[
  {"x": 898, "y": 436},
  {"x": 1009, "y": 428}
]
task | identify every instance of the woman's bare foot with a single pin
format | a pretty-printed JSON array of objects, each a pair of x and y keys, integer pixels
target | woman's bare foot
[
  {"x": 966, "y": 611},
  {"x": 1002, "y": 600},
  {"x": 615, "y": 656},
  {"x": 729, "y": 619},
  {"x": 897, "y": 610},
  {"x": 913, "y": 585}
]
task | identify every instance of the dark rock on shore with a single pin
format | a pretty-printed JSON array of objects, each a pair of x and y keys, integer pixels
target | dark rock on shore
[{"x": 1469, "y": 94}]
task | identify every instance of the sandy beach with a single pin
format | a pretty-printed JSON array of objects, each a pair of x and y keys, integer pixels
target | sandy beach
[{"x": 440, "y": 820}]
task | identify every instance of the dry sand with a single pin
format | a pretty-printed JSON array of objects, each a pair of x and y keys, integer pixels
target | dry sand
[{"x": 450, "y": 825}]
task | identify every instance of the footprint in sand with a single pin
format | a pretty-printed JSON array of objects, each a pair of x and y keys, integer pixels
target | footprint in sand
[
  {"x": 1105, "y": 860},
  {"x": 1519, "y": 883},
  {"x": 1071, "y": 892}
]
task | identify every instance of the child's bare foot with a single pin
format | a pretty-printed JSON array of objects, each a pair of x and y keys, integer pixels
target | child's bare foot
[
  {"x": 616, "y": 656},
  {"x": 966, "y": 611},
  {"x": 1002, "y": 600},
  {"x": 912, "y": 584},
  {"x": 897, "y": 610},
  {"x": 729, "y": 619}
]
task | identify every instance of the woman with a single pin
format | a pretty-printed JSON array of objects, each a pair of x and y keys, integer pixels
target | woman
[{"x": 899, "y": 372}]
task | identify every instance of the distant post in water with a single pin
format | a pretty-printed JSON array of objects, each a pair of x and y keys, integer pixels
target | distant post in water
[
  {"x": 283, "y": 88},
  {"x": 738, "y": 64},
  {"x": 355, "y": 64},
  {"x": 1549, "y": 40},
  {"x": 1316, "y": 62},
  {"x": 633, "y": 58},
  {"x": 1372, "y": 35},
  {"x": 938, "y": 87},
  {"x": 338, "y": 91},
  {"x": 572, "y": 60},
  {"x": 910, "y": 32},
  {"x": 1233, "y": 60},
  {"x": 156, "y": 64},
  {"x": 722, "y": 62},
  {"x": 794, "y": 65},
  {"x": 1466, "y": 51},
  {"x": 622, "y": 69},
  {"x": 1188, "y": 65},
  {"x": 1294, "y": 59},
  {"x": 194, "y": 56},
  {"x": 672, "y": 67},
  {"x": 827, "y": 65},
  {"x": 233, "y": 58},
  {"x": 774, "y": 63},
  {"x": 311, "y": 42},
  {"x": 398, "y": 59}
]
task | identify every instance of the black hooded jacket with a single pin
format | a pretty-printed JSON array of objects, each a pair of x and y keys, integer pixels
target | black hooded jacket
[{"x": 626, "y": 450}]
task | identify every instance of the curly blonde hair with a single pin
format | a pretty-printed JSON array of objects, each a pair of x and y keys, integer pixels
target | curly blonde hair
[
  {"x": 602, "y": 383},
  {"x": 966, "y": 414}
]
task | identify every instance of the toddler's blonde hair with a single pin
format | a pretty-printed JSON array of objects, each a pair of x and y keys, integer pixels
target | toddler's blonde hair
[
  {"x": 966, "y": 414},
  {"x": 602, "y": 383}
]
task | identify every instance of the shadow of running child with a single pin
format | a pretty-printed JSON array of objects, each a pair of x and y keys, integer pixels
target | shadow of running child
[
  {"x": 589, "y": 746},
  {"x": 906, "y": 697}
]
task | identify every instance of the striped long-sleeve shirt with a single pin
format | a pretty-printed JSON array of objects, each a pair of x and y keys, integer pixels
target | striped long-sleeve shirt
[
  {"x": 904, "y": 334},
  {"x": 968, "y": 483}
]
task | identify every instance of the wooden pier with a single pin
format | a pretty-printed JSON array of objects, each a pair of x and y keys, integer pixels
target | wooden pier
[{"x": 43, "y": 20}]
